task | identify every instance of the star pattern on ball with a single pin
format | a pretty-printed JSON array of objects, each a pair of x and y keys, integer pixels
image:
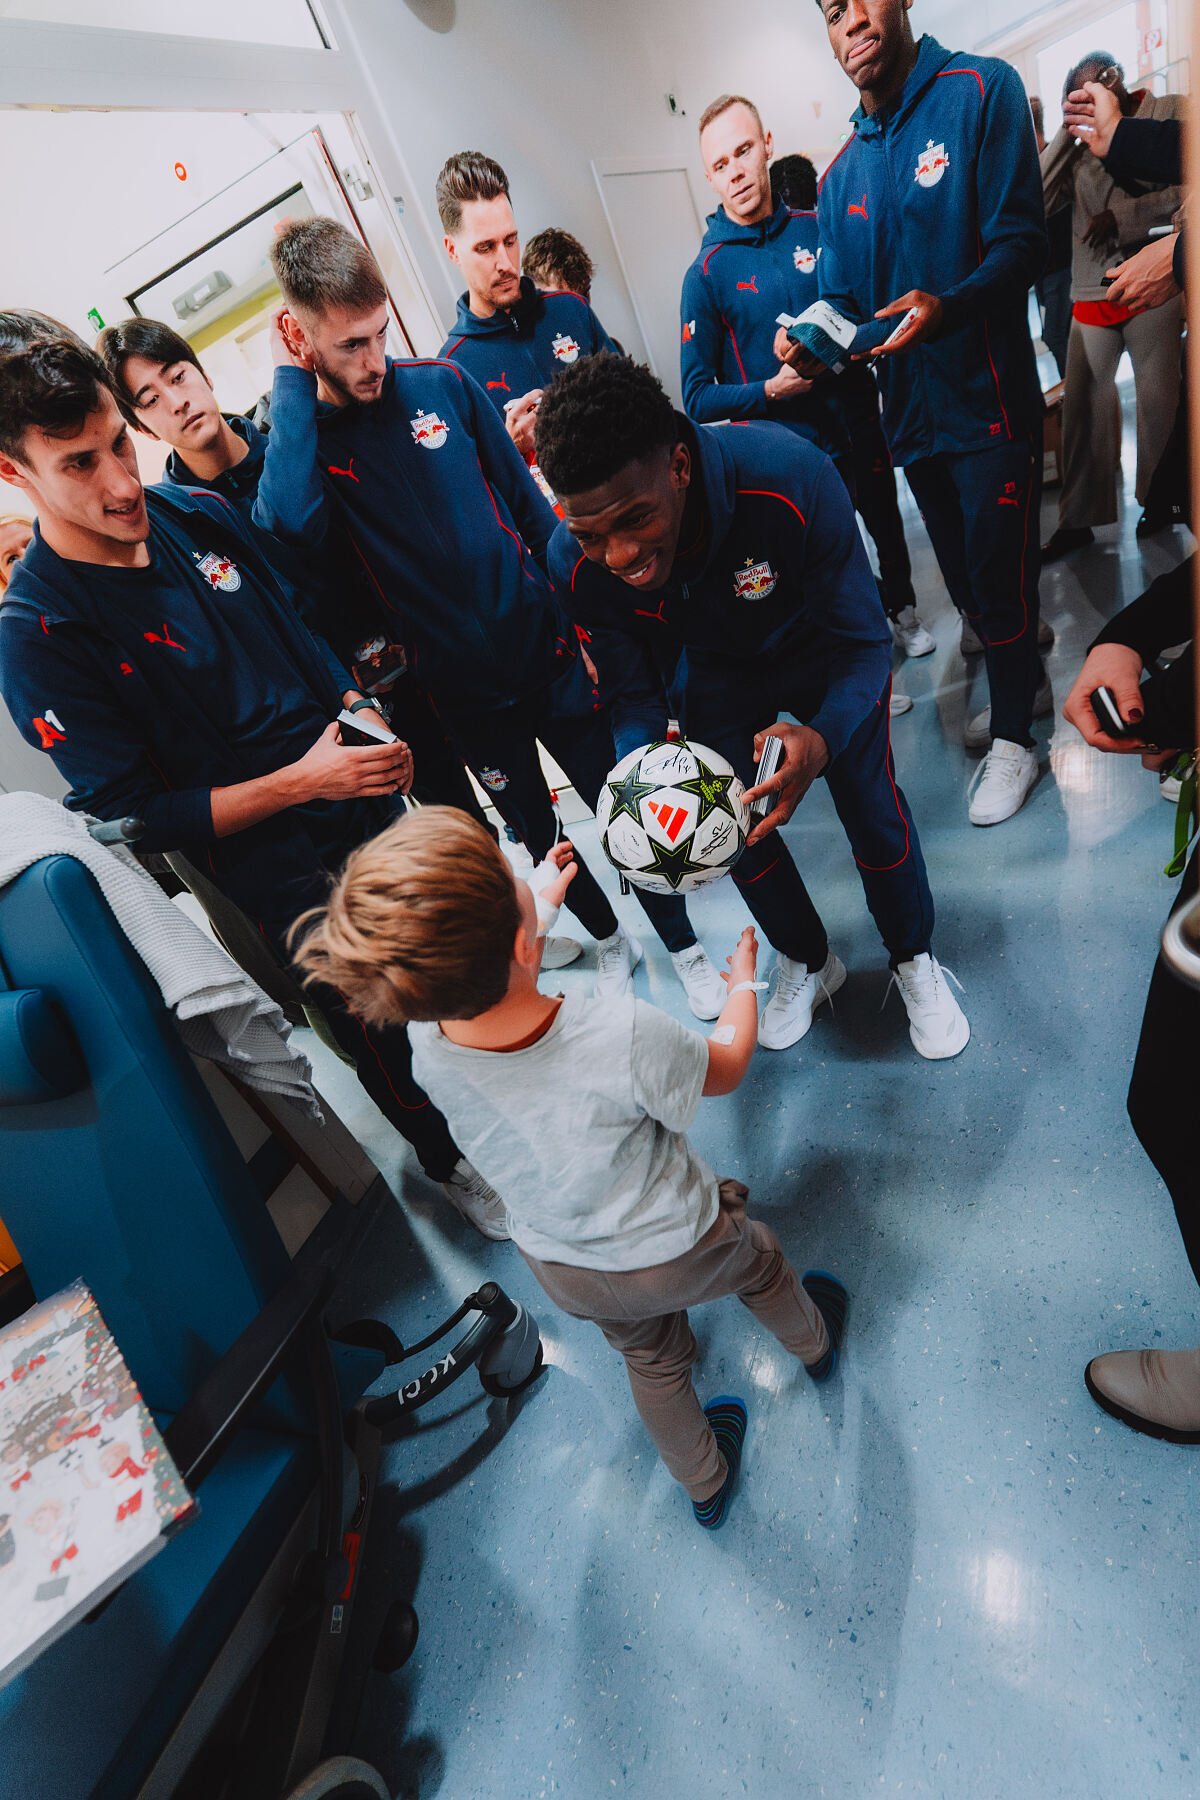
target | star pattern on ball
[
  {"x": 628, "y": 793},
  {"x": 673, "y": 865},
  {"x": 712, "y": 794}
]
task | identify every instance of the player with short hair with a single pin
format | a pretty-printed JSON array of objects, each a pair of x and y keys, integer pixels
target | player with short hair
[
  {"x": 758, "y": 261},
  {"x": 932, "y": 224},
  {"x": 145, "y": 644},
  {"x": 162, "y": 390},
  {"x": 739, "y": 546},
  {"x": 436, "y": 500},
  {"x": 512, "y": 336}
]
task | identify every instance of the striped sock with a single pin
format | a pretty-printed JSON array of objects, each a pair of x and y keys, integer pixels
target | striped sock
[
  {"x": 727, "y": 1416},
  {"x": 832, "y": 1302}
]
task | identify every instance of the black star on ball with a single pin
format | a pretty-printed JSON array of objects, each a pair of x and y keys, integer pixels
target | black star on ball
[
  {"x": 712, "y": 792},
  {"x": 673, "y": 865},
  {"x": 628, "y": 793}
]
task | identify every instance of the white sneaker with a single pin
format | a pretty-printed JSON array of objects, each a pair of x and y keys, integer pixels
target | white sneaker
[
  {"x": 1169, "y": 788},
  {"x": 978, "y": 734},
  {"x": 795, "y": 996},
  {"x": 937, "y": 1024},
  {"x": 616, "y": 959},
  {"x": 557, "y": 952},
  {"x": 910, "y": 635},
  {"x": 706, "y": 992},
  {"x": 479, "y": 1204},
  {"x": 1002, "y": 783},
  {"x": 899, "y": 703}
]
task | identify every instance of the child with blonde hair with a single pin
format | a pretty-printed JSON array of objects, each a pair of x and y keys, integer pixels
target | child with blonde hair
[{"x": 576, "y": 1109}]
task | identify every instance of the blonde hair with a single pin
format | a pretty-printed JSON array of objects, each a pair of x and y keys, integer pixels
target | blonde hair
[
  {"x": 420, "y": 924},
  {"x": 12, "y": 519}
]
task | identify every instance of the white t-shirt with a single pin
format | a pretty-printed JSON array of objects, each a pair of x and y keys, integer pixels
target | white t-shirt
[{"x": 582, "y": 1133}]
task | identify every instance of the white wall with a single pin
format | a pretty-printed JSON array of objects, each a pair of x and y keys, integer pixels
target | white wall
[{"x": 545, "y": 88}]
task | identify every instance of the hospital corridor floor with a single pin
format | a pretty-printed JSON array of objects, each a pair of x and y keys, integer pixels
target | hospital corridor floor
[{"x": 946, "y": 1573}]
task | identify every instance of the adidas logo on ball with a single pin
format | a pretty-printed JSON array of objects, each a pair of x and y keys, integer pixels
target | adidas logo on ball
[{"x": 671, "y": 817}]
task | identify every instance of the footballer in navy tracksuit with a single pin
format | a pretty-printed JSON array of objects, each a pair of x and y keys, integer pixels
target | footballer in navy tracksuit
[
  {"x": 521, "y": 347},
  {"x": 744, "y": 277},
  {"x": 150, "y": 686},
  {"x": 777, "y": 610},
  {"x": 452, "y": 532},
  {"x": 940, "y": 192},
  {"x": 337, "y": 601}
]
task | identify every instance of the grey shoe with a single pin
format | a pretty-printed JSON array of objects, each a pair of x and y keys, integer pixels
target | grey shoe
[
  {"x": 1157, "y": 1392},
  {"x": 479, "y": 1204}
]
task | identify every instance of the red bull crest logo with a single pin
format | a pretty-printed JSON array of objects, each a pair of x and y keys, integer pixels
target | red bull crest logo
[
  {"x": 564, "y": 347},
  {"x": 429, "y": 430},
  {"x": 219, "y": 572},
  {"x": 932, "y": 164},
  {"x": 804, "y": 259},
  {"x": 753, "y": 582}
]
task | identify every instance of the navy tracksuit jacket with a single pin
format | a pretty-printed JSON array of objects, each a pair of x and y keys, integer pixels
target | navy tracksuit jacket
[
  {"x": 743, "y": 278},
  {"x": 150, "y": 687},
  {"x": 523, "y": 347},
  {"x": 777, "y": 612},
  {"x": 329, "y": 589},
  {"x": 942, "y": 192},
  {"x": 451, "y": 528}
]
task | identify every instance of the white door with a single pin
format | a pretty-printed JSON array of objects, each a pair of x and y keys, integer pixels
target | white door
[{"x": 656, "y": 228}]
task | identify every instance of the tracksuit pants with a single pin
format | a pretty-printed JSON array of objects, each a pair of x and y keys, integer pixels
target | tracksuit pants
[
  {"x": 501, "y": 748},
  {"x": 725, "y": 707},
  {"x": 981, "y": 511},
  {"x": 439, "y": 778},
  {"x": 643, "y": 1314},
  {"x": 875, "y": 489}
]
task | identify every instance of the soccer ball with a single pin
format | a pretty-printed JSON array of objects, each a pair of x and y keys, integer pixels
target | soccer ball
[{"x": 671, "y": 817}]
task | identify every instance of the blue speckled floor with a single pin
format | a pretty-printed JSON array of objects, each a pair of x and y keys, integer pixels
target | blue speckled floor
[{"x": 947, "y": 1573}]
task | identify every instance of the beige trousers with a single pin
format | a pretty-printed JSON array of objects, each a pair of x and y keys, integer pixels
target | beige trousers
[
  {"x": 643, "y": 1314},
  {"x": 1092, "y": 416}
]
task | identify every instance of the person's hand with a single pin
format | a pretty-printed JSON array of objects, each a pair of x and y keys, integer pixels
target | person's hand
[
  {"x": 787, "y": 385},
  {"x": 332, "y": 770},
  {"x": 743, "y": 964},
  {"x": 288, "y": 348},
  {"x": 1158, "y": 760},
  {"x": 796, "y": 357},
  {"x": 1102, "y": 230},
  {"x": 563, "y": 858},
  {"x": 1119, "y": 669},
  {"x": 805, "y": 756},
  {"x": 520, "y": 417},
  {"x": 1146, "y": 279},
  {"x": 1091, "y": 114},
  {"x": 928, "y": 321}
]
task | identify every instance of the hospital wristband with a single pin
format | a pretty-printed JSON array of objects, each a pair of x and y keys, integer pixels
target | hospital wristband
[{"x": 747, "y": 987}]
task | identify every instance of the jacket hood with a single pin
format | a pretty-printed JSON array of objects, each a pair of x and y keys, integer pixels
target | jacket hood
[
  {"x": 719, "y": 228},
  {"x": 246, "y": 473},
  {"x": 932, "y": 58},
  {"x": 507, "y": 321}
]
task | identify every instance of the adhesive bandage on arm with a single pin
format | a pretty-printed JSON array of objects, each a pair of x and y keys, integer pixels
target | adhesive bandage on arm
[
  {"x": 724, "y": 1034},
  {"x": 538, "y": 881}
]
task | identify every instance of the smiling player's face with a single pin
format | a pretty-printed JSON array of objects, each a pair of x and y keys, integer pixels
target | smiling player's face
[
  {"x": 631, "y": 524},
  {"x": 87, "y": 481}
]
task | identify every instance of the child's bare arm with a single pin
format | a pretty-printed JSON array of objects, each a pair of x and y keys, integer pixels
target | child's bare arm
[{"x": 731, "y": 1044}]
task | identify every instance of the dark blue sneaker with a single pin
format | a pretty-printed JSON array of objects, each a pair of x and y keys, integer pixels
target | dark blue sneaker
[
  {"x": 727, "y": 1416},
  {"x": 833, "y": 1303}
]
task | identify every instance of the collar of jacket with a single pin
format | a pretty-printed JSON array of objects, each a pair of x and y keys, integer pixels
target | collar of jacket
[
  {"x": 931, "y": 60},
  {"x": 721, "y": 229},
  {"x": 518, "y": 320},
  {"x": 243, "y": 476}
]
